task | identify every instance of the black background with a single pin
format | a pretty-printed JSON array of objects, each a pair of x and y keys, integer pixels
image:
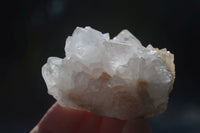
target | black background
[{"x": 33, "y": 30}]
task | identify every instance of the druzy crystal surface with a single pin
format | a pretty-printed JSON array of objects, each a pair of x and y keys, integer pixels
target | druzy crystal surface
[{"x": 116, "y": 77}]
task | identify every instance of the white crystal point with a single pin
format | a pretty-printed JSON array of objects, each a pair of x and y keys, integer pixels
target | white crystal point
[
  {"x": 126, "y": 37},
  {"x": 116, "y": 77}
]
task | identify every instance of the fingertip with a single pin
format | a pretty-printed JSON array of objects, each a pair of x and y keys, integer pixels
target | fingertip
[{"x": 59, "y": 119}]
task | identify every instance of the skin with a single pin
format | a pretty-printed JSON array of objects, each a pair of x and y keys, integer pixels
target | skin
[{"x": 66, "y": 120}]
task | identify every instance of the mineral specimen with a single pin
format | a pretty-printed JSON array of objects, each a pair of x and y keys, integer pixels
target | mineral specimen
[{"x": 116, "y": 77}]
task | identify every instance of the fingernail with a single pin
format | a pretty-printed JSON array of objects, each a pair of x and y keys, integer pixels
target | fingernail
[{"x": 35, "y": 130}]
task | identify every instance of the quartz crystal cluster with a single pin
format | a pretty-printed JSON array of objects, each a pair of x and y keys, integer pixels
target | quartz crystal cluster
[{"x": 116, "y": 77}]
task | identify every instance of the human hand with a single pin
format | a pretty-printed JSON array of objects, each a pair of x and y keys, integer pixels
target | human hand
[{"x": 66, "y": 120}]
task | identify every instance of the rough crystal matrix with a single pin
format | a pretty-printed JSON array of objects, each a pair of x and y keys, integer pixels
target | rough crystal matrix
[{"x": 116, "y": 77}]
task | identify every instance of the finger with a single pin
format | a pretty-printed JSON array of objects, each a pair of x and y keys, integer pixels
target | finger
[
  {"x": 137, "y": 126},
  {"x": 66, "y": 120},
  {"x": 60, "y": 120},
  {"x": 111, "y": 125},
  {"x": 90, "y": 124}
]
